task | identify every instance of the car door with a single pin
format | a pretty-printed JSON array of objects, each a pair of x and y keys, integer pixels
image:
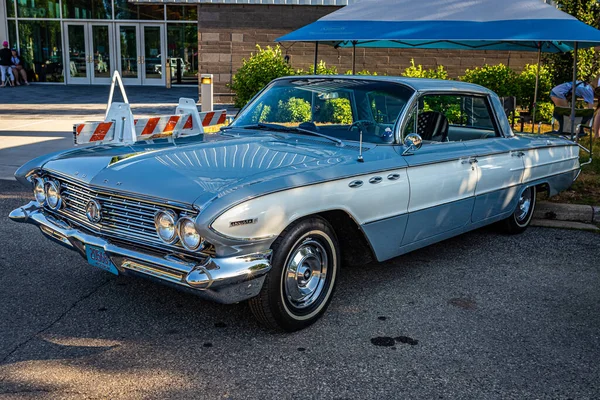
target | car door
[
  {"x": 442, "y": 178},
  {"x": 499, "y": 166},
  {"x": 442, "y": 181}
]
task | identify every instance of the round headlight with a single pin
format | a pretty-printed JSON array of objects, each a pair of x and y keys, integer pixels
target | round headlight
[
  {"x": 189, "y": 236},
  {"x": 52, "y": 195},
  {"x": 38, "y": 191},
  {"x": 164, "y": 221}
]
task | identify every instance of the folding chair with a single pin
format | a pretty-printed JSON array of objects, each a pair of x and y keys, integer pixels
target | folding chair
[
  {"x": 584, "y": 121},
  {"x": 561, "y": 121}
]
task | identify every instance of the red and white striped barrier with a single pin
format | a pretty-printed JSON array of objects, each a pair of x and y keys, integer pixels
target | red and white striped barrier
[
  {"x": 213, "y": 117},
  {"x": 177, "y": 125},
  {"x": 91, "y": 132}
]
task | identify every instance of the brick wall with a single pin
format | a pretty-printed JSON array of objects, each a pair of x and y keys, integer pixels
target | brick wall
[{"x": 229, "y": 33}]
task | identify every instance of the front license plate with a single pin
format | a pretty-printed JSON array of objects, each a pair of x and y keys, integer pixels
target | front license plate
[{"x": 98, "y": 258}]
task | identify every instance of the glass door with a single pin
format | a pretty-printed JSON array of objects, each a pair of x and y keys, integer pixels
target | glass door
[
  {"x": 78, "y": 59},
  {"x": 89, "y": 55},
  {"x": 128, "y": 49},
  {"x": 101, "y": 57},
  {"x": 153, "y": 55}
]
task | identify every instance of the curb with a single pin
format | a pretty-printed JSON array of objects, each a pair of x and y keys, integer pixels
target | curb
[
  {"x": 567, "y": 212},
  {"x": 554, "y": 223}
]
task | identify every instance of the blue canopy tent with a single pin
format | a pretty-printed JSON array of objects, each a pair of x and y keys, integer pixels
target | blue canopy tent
[{"x": 515, "y": 25}]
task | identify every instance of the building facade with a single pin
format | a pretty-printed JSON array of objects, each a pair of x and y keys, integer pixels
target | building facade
[{"x": 83, "y": 41}]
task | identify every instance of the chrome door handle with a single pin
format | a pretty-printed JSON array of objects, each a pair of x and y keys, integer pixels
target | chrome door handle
[
  {"x": 470, "y": 160},
  {"x": 517, "y": 153},
  {"x": 375, "y": 179},
  {"x": 355, "y": 184}
]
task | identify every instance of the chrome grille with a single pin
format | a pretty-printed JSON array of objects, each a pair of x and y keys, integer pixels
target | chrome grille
[{"x": 126, "y": 218}]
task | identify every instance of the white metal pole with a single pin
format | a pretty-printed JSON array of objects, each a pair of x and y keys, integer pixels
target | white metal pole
[
  {"x": 535, "y": 93},
  {"x": 573, "y": 91}
]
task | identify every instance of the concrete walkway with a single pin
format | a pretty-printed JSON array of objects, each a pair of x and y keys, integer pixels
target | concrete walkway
[{"x": 54, "y": 101}]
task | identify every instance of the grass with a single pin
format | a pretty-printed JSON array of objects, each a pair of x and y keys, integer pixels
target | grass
[{"x": 586, "y": 189}]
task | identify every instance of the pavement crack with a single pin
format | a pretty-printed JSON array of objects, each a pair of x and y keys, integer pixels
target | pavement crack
[{"x": 56, "y": 320}]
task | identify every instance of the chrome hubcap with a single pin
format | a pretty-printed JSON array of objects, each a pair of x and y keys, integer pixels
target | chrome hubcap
[
  {"x": 523, "y": 206},
  {"x": 305, "y": 274}
]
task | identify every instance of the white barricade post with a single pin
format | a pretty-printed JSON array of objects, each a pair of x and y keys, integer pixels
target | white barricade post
[
  {"x": 188, "y": 106},
  {"x": 119, "y": 125}
]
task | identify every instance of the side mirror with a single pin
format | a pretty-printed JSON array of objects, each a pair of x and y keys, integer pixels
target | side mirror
[{"x": 412, "y": 142}]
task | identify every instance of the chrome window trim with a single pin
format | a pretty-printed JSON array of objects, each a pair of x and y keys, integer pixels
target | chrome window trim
[{"x": 427, "y": 92}]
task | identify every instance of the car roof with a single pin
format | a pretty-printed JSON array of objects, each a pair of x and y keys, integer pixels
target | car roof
[{"x": 419, "y": 84}]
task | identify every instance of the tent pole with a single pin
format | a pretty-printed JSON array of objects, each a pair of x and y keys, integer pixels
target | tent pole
[
  {"x": 535, "y": 93},
  {"x": 316, "y": 57},
  {"x": 354, "y": 58},
  {"x": 573, "y": 91}
]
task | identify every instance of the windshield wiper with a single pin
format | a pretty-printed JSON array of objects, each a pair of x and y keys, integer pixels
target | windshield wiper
[{"x": 300, "y": 128}]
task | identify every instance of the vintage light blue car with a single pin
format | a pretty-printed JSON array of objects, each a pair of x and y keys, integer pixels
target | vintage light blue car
[{"x": 314, "y": 173}]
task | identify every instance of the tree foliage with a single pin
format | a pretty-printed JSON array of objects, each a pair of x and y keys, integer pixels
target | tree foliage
[
  {"x": 256, "y": 72},
  {"x": 525, "y": 85},
  {"x": 561, "y": 64},
  {"x": 417, "y": 71},
  {"x": 499, "y": 78}
]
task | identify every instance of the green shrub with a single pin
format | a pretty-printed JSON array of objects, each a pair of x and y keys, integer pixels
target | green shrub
[
  {"x": 363, "y": 72},
  {"x": 417, "y": 71},
  {"x": 256, "y": 72},
  {"x": 498, "y": 78},
  {"x": 447, "y": 105},
  {"x": 293, "y": 110},
  {"x": 261, "y": 114},
  {"x": 544, "y": 111},
  {"x": 526, "y": 85},
  {"x": 337, "y": 111},
  {"x": 322, "y": 69}
]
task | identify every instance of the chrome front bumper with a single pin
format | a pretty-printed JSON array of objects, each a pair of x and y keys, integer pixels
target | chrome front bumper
[{"x": 224, "y": 280}]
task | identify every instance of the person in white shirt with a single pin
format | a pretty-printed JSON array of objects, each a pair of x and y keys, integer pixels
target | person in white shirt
[{"x": 18, "y": 69}]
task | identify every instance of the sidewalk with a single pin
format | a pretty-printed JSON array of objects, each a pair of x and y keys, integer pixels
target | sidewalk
[{"x": 77, "y": 101}]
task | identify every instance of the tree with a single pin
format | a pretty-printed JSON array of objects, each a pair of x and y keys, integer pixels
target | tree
[{"x": 561, "y": 64}]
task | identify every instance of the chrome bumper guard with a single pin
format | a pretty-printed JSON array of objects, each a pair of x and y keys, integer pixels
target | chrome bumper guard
[{"x": 224, "y": 280}]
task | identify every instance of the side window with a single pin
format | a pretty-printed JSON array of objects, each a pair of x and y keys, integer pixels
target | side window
[{"x": 451, "y": 118}]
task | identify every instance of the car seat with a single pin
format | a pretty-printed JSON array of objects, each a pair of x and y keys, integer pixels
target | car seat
[{"x": 433, "y": 126}]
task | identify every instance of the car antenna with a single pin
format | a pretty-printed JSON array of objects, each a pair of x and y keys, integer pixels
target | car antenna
[{"x": 360, "y": 157}]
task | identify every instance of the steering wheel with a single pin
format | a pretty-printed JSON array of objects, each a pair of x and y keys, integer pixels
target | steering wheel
[{"x": 360, "y": 123}]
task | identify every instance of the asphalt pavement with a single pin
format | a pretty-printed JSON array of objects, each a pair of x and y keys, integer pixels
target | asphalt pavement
[{"x": 480, "y": 316}]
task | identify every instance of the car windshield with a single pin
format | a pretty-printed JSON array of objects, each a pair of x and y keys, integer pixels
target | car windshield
[{"x": 340, "y": 108}]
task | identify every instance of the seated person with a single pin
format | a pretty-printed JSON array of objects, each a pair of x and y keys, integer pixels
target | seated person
[
  {"x": 5, "y": 65},
  {"x": 561, "y": 95},
  {"x": 18, "y": 70}
]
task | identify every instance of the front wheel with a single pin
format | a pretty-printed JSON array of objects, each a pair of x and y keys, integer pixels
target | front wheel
[
  {"x": 520, "y": 219},
  {"x": 300, "y": 285}
]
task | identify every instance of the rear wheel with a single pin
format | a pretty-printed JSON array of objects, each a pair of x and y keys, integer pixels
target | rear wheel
[
  {"x": 300, "y": 285},
  {"x": 520, "y": 219}
]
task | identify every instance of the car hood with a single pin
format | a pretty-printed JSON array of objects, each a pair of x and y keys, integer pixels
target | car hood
[{"x": 191, "y": 172}]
